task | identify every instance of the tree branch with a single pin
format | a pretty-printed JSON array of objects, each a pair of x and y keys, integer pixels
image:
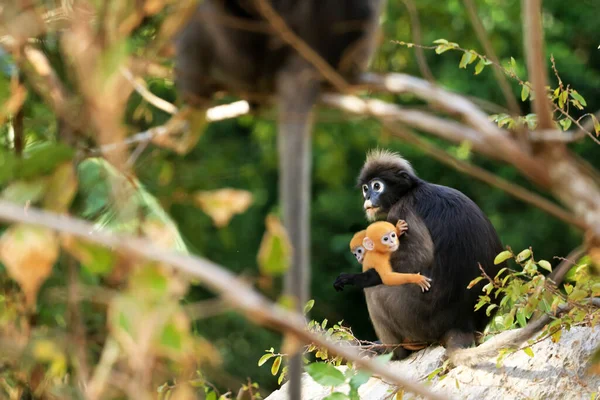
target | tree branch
[{"x": 232, "y": 289}]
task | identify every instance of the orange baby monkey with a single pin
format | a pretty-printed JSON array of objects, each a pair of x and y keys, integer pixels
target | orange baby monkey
[
  {"x": 380, "y": 242},
  {"x": 372, "y": 248}
]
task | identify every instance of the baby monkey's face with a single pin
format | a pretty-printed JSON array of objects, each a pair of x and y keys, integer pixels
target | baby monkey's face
[
  {"x": 390, "y": 241},
  {"x": 359, "y": 253}
]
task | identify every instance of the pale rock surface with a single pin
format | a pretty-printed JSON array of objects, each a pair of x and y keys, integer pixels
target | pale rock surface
[{"x": 557, "y": 371}]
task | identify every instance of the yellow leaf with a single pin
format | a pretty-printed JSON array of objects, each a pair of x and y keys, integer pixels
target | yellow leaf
[
  {"x": 29, "y": 253},
  {"x": 221, "y": 205},
  {"x": 62, "y": 187},
  {"x": 274, "y": 254},
  {"x": 163, "y": 235}
]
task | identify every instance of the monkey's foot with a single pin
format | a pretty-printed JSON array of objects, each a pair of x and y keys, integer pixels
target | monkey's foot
[
  {"x": 423, "y": 282},
  {"x": 401, "y": 226},
  {"x": 343, "y": 280}
]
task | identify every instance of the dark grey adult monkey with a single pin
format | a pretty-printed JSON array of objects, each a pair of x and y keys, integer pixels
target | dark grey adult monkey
[
  {"x": 229, "y": 45},
  {"x": 448, "y": 237}
]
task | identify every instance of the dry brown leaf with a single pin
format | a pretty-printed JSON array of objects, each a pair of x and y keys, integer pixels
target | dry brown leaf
[
  {"x": 221, "y": 205},
  {"x": 29, "y": 253}
]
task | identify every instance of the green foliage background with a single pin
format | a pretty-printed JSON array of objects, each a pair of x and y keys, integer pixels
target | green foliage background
[{"x": 242, "y": 154}]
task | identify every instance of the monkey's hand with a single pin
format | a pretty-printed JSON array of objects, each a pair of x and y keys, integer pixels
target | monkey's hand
[
  {"x": 343, "y": 280},
  {"x": 422, "y": 281},
  {"x": 401, "y": 227}
]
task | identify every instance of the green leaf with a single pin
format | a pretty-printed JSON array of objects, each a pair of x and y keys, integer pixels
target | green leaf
[
  {"x": 565, "y": 123},
  {"x": 336, "y": 396},
  {"x": 275, "y": 366},
  {"x": 545, "y": 264},
  {"x": 211, "y": 396},
  {"x": 274, "y": 255},
  {"x": 325, "y": 374},
  {"x": 151, "y": 280},
  {"x": 359, "y": 379},
  {"x": 41, "y": 159},
  {"x": 479, "y": 66},
  {"x": 524, "y": 255},
  {"x": 577, "y": 295},
  {"x": 466, "y": 59},
  {"x": 528, "y": 351},
  {"x": 172, "y": 337},
  {"x": 8, "y": 165},
  {"x": 96, "y": 259},
  {"x": 442, "y": 48},
  {"x": 490, "y": 308},
  {"x": 264, "y": 358},
  {"x": 474, "y": 282},
  {"x": 521, "y": 317},
  {"x": 21, "y": 192},
  {"x": 500, "y": 258},
  {"x": 384, "y": 358},
  {"x": 524, "y": 92},
  {"x": 309, "y": 305},
  {"x": 578, "y": 97},
  {"x": 440, "y": 41}
]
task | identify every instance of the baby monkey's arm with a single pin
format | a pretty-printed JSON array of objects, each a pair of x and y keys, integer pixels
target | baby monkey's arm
[{"x": 398, "y": 278}]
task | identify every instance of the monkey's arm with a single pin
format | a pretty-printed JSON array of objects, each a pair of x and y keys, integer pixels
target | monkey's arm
[
  {"x": 363, "y": 280},
  {"x": 397, "y": 278},
  {"x": 381, "y": 263}
]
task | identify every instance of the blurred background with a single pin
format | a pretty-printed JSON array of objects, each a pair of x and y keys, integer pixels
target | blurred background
[{"x": 241, "y": 154}]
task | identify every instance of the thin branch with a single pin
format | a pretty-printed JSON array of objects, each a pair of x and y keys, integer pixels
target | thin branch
[
  {"x": 415, "y": 28},
  {"x": 177, "y": 125},
  {"x": 232, "y": 289},
  {"x": 491, "y": 179},
  {"x": 495, "y": 139},
  {"x": 47, "y": 84},
  {"x": 147, "y": 94},
  {"x": 288, "y": 36}
]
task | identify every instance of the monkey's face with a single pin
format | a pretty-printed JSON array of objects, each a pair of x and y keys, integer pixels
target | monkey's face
[
  {"x": 389, "y": 242},
  {"x": 381, "y": 192},
  {"x": 381, "y": 237},
  {"x": 359, "y": 253}
]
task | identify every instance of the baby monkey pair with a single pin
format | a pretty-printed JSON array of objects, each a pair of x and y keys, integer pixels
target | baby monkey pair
[{"x": 373, "y": 248}]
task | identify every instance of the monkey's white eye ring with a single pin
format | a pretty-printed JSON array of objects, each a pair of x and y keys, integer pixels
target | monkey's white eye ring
[
  {"x": 365, "y": 188},
  {"x": 393, "y": 235},
  {"x": 385, "y": 238},
  {"x": 378, "y": 186}
]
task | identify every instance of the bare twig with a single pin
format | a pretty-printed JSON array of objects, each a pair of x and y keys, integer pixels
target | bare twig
[
  {"x": 489, "y": 135},
  {"x": 558, "y": 274},
  {"x": 148, "y": 95},
  {"x": 491, "y": 179},
  {"x": 288, "y": 36},
  {"x": 47, "y": 84},
  {"x": 232, "y": 289},
  {"x": 415, "y": 28}
]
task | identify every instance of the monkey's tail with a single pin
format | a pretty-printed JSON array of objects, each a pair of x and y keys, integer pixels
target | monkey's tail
[{"x": 512, "y": 339}]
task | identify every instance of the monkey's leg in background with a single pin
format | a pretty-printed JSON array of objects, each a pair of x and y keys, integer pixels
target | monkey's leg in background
[{"x": 297, "y": 89}]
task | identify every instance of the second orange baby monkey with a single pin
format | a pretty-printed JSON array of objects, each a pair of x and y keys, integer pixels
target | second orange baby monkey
[{"x": 373, "y": 247}]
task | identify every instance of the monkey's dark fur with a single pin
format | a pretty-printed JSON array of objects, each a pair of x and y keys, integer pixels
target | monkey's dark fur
[
  {"x": 448, "y": 236},
  {"x": 228, "y": 45}
]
